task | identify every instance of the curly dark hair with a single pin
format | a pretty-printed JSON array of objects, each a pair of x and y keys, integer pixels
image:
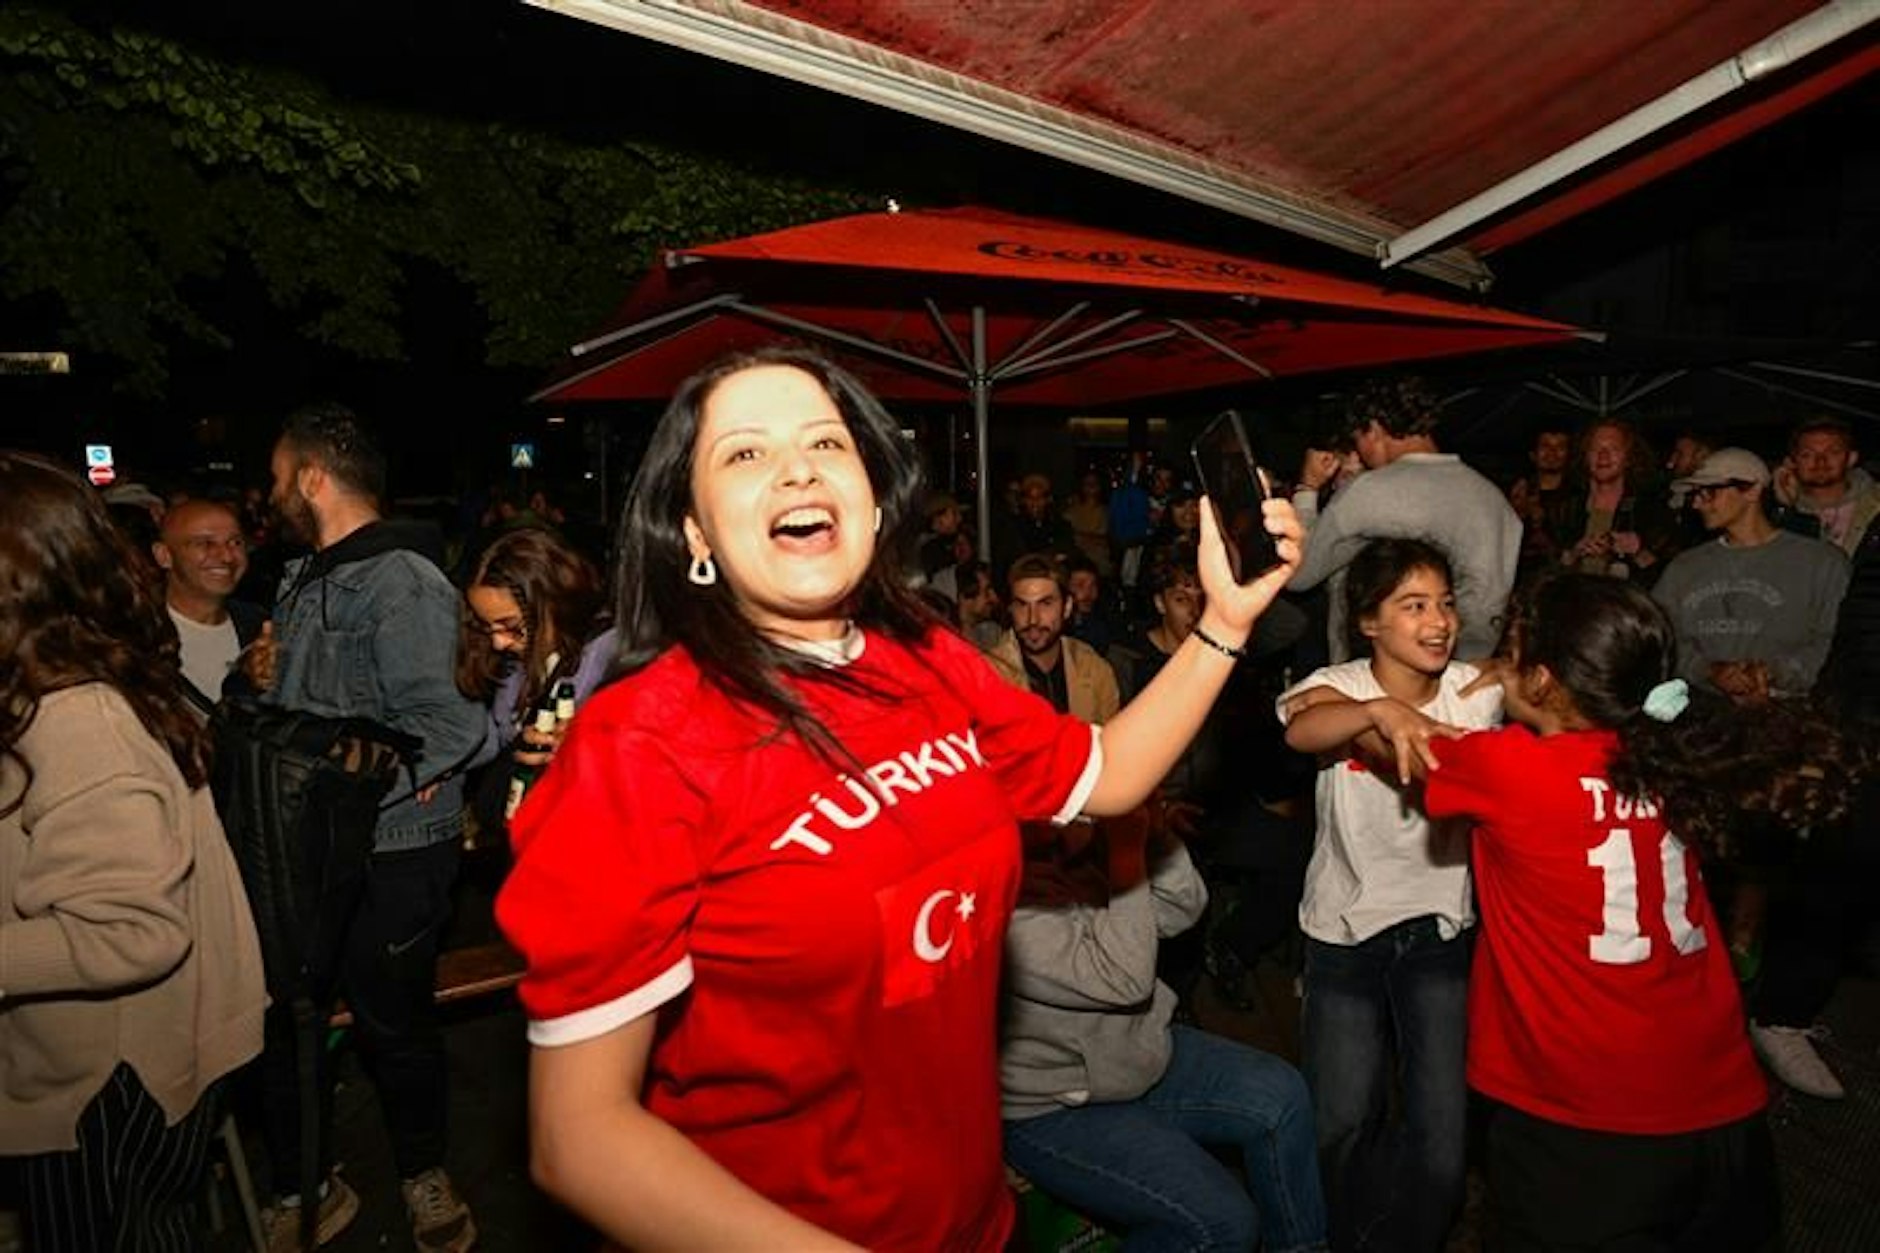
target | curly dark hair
[
  {"x": 1608, "y": 645},
  {"x": 561, "y": 600},
  {"x": 74, "y": 610},
  {"x": 658, "y": 607},
  {"x": 334, "y": 437},
  {"x": 1402, "y": 406}
]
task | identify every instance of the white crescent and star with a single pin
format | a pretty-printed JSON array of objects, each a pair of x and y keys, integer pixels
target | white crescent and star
[{"x": 924, "y": 946}]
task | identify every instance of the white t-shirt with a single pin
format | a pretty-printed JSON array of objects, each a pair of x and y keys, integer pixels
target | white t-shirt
[
  {"x": 1378, "y": 860},
  {"x": 209, "y": 652}
]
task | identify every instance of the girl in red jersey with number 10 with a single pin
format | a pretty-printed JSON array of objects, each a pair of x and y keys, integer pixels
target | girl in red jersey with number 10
[{"x": 1604, "y": 1020}]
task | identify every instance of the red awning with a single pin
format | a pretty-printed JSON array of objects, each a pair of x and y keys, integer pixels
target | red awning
[{"x": 1425, "y": 132}]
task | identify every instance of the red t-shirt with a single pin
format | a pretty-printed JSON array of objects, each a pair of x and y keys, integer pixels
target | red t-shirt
[
  {"x": 1602, "y": 995},
  {"x": 834, "y": 947}
]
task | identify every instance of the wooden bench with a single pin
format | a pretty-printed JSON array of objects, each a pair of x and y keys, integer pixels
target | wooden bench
[{"x": 464, "y": 974}]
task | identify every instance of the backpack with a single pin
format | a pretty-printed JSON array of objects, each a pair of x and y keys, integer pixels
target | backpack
[{"x": 299, "y": 797}]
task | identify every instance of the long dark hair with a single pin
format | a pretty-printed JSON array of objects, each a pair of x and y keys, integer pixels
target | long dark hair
[
  {"x": 1608, "y": 645},
  {"x": 74, "y": 610},
  {"x": 658, "y": 607},
  {"x": 1379, "y": 569},
  {"x": 560, "y": 598}
]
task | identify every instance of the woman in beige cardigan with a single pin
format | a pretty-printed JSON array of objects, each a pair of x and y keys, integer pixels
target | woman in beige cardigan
[{"x": 130, "y": 977}]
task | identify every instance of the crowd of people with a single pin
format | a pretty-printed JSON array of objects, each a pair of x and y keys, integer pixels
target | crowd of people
[{"x": 869, "y": 868}]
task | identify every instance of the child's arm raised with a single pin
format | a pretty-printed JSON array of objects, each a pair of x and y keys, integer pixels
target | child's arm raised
[{"x": 1324, "y": 720}]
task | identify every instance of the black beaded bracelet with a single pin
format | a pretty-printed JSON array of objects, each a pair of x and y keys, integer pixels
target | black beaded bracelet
[{"x": 1238, "y": 654}]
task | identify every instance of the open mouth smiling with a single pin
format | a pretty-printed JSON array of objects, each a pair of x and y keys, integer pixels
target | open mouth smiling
[{"x": 808, "y": 522}]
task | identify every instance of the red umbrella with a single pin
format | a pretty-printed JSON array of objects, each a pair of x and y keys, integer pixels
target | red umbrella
[{"x": 933, "y": 305}]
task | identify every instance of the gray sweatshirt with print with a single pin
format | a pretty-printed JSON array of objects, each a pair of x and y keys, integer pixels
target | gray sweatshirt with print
[{"x": 1775, "y": 603}]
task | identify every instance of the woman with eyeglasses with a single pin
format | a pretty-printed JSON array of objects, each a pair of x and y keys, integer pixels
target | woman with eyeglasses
[{"x": 534, "y": 615}]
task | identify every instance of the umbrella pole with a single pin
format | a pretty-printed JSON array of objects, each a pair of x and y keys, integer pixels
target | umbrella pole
[{"x": 981, "y": 386}]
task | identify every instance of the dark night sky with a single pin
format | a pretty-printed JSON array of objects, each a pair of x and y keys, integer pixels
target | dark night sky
[{"x": 1804, "y": 195}]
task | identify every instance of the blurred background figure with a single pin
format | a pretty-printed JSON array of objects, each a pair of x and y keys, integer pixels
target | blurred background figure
[
  {"x": 534, "y": 615},
  {"x": 1088, "y": 514},
  {"x": 1621, "y": 523},
  {"x": 204, "y": 556}
]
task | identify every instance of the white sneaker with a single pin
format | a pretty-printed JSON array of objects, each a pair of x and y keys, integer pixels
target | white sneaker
[{"x": 1790, "y": 1053}]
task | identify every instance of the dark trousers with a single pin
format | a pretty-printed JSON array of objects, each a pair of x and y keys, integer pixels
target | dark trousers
[
  {"x": 1559, "y": 1189},
  {"x": 1818, "y": 908},
  {"x": 1389, "y": 1017},
  {"x": 388, "y": 976},
  {"x": 132, "y": 1185}
]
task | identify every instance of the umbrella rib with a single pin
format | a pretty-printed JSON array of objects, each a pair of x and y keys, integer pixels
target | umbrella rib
[
  {"x": 1045, "y": 356},
  {"x": 627, "y": 332},
  {"x": 1103, "y": 350},
  {"x": 1215, "y": 343},
  {"x": 1634, "y": 395},
  {"x": 1561, "y": 392},
  {"x": 1824, "y": 375},
  {"x": 1017, "y": 356},
  {"x": 1810, "y": 397},
  {"x": 946, "y": 333},
  {"x": 843, "y": 337}
]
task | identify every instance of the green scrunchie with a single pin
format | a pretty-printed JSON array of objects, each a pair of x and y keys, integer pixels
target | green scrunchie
[{"x": 1667, "y": 700}]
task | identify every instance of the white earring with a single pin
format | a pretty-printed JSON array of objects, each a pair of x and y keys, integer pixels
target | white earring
[
  {"x": 704, "y": 572},
  {"x": 877, "y": 519}
]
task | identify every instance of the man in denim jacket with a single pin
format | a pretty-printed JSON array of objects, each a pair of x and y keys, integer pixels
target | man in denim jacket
[{"x": 367, "y": 627}]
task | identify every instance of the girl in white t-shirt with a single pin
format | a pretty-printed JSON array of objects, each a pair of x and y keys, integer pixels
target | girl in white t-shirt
[{"x": 1387, "y": 907}]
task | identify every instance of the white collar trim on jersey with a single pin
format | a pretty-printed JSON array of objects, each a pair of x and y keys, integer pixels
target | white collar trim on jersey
[{"x": 840, "y": 651}]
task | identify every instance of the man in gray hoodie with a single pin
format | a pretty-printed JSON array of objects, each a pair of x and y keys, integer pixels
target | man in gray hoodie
[{"x": 1411, "y": 490}]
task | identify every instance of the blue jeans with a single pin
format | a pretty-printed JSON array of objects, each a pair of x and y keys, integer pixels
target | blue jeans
[
  {"x": 1140, "y": 1164},
  {"x": 1392, "y": 1006}
]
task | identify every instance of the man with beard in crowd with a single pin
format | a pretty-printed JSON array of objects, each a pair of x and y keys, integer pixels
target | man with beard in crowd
[
  {"x": 366, "y": 627},
  {"x": 1036, "y": 653},
  {"x": 1822, "y": 489}
]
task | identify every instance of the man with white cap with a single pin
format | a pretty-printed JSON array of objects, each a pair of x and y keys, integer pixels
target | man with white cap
[
  {"x": 1754, "y": 611},
  {"x": 1754, "y": 608}
]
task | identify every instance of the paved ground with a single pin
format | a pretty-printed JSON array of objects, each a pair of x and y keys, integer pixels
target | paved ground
[{"x": 1830, "y": 1151}]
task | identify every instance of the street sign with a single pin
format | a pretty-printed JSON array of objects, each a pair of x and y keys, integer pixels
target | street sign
[
  {"x": 98, "y": 455},
  {"x": 522, "y": 456},
  {"x": 101, "y": 475}
]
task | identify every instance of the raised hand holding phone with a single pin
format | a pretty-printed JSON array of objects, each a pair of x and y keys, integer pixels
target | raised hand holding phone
[{"x": 1236, "y": 489}]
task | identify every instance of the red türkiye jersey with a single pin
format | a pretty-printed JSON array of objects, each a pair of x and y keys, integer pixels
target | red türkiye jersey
[
  {"x": 825, "y": 940},
  {"x": 1602, "y": 995}
]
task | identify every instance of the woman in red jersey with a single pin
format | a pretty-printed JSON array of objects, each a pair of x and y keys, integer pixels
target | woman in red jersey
[
  {"x": 1604, "y": 1020},
  {"x": 763, "y": 887}
]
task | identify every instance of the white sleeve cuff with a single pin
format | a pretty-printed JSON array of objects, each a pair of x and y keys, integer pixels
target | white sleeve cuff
[
  {"x": 1086, "y": 782},
  {"x": 598, "y": 1020}
]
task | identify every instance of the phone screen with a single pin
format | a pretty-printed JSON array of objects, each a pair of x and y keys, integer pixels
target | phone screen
[{"x": 1235, "y": 486}]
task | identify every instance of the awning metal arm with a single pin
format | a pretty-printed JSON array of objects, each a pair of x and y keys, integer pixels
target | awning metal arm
[{"x": 1793, "y": 42}]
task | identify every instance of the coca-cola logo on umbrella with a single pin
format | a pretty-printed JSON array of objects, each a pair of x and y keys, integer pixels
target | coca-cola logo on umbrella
[{"x": 1128, "y": 261}]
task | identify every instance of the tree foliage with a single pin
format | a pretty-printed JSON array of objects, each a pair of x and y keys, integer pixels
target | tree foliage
[{"x": 138, "y": 171}]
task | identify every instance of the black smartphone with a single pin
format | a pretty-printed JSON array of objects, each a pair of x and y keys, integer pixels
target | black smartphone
[{"x": 1236, "y": 486}]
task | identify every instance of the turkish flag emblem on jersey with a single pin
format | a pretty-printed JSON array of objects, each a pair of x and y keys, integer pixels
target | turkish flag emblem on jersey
[{"x": 936, "y": 920}]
